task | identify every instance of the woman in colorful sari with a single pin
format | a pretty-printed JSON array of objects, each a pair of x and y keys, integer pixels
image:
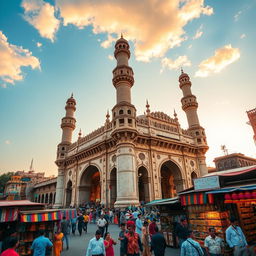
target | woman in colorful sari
[
  {"x": 57, "y": 244},
  {"x": 145, "y": 239}
]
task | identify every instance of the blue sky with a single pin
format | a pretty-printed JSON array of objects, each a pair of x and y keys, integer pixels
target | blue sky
[{"x": 74, "y": 55}]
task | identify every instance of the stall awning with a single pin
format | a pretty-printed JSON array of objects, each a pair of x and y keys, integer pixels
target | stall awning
[
  {"x": 69, "y": 213},
  {"x": 8, "y": 214},
  {"x": 173, "y": 200},
  {"x": 196, "y": 198},
  {"x": 232, "y": 189},
  {"x": 39, "y": 216}
]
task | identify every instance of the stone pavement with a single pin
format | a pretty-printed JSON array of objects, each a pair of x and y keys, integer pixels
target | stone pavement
[{"x": 78, "y": 244}]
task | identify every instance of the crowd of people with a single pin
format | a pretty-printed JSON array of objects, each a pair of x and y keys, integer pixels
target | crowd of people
[{"x": 139, "y": 235}]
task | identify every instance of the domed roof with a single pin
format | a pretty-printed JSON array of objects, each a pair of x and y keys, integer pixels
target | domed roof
[
  {"x": 71, "y": 99},
  {"x": 183, "y": 74},
  {"x": 121, "y": 40}
]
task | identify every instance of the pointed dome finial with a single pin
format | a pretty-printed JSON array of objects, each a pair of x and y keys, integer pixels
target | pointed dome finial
[
  {"x": 72, "y": 95},
  {"x": 107, "y": 117},
  {"x": 175, "y": 115},
  {"x": 122, "y": 35},
  {"x": 181, "y": 70},
  {"x": 80, "y": 134}
]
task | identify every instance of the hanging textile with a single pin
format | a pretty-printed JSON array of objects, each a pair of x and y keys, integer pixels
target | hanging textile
[
  {"x": 8, "y": 214},
  {"x": 39, "y": 217},
  {"x": 196, "y": 198},
  {"x": 69, "y": 213}
]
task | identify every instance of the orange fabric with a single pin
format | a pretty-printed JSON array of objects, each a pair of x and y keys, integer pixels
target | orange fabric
[
  {"x": 57, "y": 244},
  {"x": 133, "y": 244},
  {"x": 86, "y": 218}
]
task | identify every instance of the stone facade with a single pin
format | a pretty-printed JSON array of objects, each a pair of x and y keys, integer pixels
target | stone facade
[
  {"x": 45, "y": 192},
  {"x": 131, "y": 158},
  {"x": 232, "y": 161}
]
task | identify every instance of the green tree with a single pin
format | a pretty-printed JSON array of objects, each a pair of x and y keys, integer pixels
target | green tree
[{"x": 3, "y": 180}]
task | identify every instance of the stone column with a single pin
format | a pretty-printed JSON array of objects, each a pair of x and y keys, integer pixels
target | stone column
[
  {"x": 59, "y": 189},
  {"x": 202, "y": 166},
  {"x": 127, "y": 189}
]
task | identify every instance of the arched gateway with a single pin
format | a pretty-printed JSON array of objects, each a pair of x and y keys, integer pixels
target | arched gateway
[
  {"x": 143, "y": 183},
  {"x": 89, "y": 189},
  {"x": 171, "y": 179}
]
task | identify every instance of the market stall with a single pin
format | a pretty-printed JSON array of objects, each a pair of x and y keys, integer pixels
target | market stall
[{"x": 170, "y": 214}]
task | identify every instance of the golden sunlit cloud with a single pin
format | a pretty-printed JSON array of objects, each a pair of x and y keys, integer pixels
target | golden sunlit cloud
[
  {"x": 12, "y": 59},
  {"x": 181, "y": 61},
  {"x": 155, "y": 26},
  {"x": 222, "y": 58},
  {"x": 110, "y": 57},
  {"x": 199, "y": 33},
  {"x": 41, "y": 16}
]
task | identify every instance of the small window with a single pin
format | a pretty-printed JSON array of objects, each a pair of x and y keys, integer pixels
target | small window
[
  {"x": 129, "y": 121},
  {"x": 121, "y": 121},
  {"x": 121, "y": 112},
  {"x": 63, "y": 148},
  {"x": 197, "y": 133},
  {"x": 199, "y": 141},
  {"x": 114, "y": 123},
  {"x": 114, "y": 114},
  {"x": 129, "y": 112}
]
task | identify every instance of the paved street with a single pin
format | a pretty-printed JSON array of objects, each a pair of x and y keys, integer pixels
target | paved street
[{"x": 78, "y": 244}]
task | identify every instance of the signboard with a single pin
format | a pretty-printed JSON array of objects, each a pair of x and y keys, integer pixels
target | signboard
[
  {"x": 26, "y": 179},
  {"x": 211, "y": 182}
]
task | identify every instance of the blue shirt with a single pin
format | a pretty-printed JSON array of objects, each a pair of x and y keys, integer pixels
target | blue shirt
[
  {"x": 138, "y": 226},
  {"x": 187, "y": 249},
  {"x": 235, "y": 237},
  {"x": 135, "y": 215},
  {"x": 39, "y": 245},
  {"x": 95, "y": 247}
]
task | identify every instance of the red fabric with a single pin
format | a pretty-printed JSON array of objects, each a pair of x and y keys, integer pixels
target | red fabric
[
  {"x": 151, "y": 228},
  {"x": 110, "y": 249},
  {"x": 130, "y": 223},
  {"x": 9, "y": 252},
  {"x": 133, "y": 244}
]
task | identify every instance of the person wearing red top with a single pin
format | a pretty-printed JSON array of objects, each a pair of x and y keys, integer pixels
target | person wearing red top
[
  {"x": 13, "y": 243},
  {"x": 132, "y": 245},
  {"x": 109, "y": 242},
  {"x": 152, "y": 227}
]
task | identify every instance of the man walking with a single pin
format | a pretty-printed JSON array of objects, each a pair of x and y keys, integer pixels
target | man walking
[
  {"x": 213, "y": 244},
  {"x": 158, "y": 243},
  {"x": 73, "y": 225},
  {"x": 65, "y": 226},
  {"x": 152, "y": 227},
  {"x": 96, "y": 245},
  {"x": 190, "y": 247},
  {"x": 122, "y": 239},
  {"x": 86, "y": 220},
  {"x": 101, "y": 223},
  {"x": 181, "y": 231},
  {"x": 138, "y": 224},
  {"x": 40, "y": 244},
  {"x": 235, "y": 236}
]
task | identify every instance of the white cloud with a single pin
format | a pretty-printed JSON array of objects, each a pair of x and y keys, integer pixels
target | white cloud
[
  {"x": 41, "y": 16},
  {"x": 199, "y": 33},
  {"x": 155, "y": 26},
  {"x": 243, "y": 36},
  {"x": 190, "y": 46},
  {"x": 108, "y": 42},
  {"x": 3, "y": 85},
  {"x": 237, "y": 15},
  {"x": 110, "y": 57},
  {"x": 12, "y": 59},
  {"x": 38, "y": 44},
  {"x": 7, "y": 142},
  {"x": 181, "y": 61},
  {"x": 222, "y": 58}
]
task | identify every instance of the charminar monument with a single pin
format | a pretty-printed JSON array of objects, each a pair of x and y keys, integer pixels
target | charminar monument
[{"x": 131, "y": 158}]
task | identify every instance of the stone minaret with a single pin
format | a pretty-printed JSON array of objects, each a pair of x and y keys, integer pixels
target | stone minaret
[
  {"x": 124, "y": 121},
  {"x": 68, "y": 125},
  {"x": 190, "y": 105}
]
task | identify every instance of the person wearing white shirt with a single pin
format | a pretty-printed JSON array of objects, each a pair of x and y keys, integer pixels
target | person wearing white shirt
[
  {"x": 101, "y": 223},
  {"x": 213, "y": 244},
  {"x": 96, "y": 246}
]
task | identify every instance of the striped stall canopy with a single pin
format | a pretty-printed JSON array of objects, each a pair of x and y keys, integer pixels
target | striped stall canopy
[
  {"x": 8, "y": 214},
  {"x": 196, "y": 198},
  {"x": 41, "y": 216},
  {"x": 69, "y": 213}
]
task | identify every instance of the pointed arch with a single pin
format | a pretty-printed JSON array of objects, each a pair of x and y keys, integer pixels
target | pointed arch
[
  {"x": 171, "y": 179},
  {"x": 113, "y": 186},
  {"x": 68, "y": 193},
  {"x": 143, "y": 184}
]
